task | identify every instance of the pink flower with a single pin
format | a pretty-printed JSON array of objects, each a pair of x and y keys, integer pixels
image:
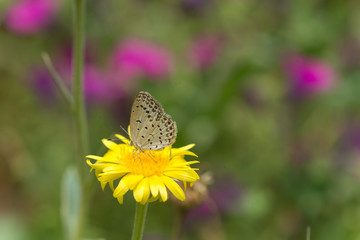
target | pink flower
[
  {"x": 134, "y": 58},
  {"x": 30, "y": 16},
  {"x": 309, "y": 76},
  {"x": 99, "y": 87},
  {"x": 205, "y": 50}
]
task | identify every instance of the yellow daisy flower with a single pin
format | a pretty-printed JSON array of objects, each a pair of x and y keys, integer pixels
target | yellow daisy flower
[{"x": 148, "y": 174}]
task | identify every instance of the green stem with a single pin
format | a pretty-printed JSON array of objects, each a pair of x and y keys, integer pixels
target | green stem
[
  {"x": 78, "y": 84},
  {"x": 57, "y": 80},
  {"x": 78, "y": 108},
  {"x": 139, "y": 222},
  {"x": 179, "y": 224}
]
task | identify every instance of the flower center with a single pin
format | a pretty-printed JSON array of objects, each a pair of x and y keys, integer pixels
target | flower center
[{"x": 146, "y": 163}]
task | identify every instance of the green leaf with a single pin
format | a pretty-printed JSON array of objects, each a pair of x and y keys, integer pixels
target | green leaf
[{"x": 71, "y": 197}]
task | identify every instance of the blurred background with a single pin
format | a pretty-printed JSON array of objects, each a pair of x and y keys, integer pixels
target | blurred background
[{"x": 267, "y": 90}]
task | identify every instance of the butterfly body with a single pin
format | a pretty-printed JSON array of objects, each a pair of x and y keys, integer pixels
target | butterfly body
[{"x": 150, "y": 127}]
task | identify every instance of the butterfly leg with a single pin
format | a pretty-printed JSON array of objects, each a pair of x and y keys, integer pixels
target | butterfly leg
[
  {"x": 137, "y": 154},
  {"x": 151, "y": 156},
  {"x": 170, "y": 153}
]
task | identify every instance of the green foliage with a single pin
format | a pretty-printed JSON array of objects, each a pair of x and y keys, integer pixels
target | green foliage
[{"x": 293, "y": 160}]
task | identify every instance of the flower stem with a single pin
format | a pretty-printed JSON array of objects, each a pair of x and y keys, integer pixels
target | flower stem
[
  {"x": 179, "y": 225},
  {"x": 78, "y": 107},
  {"x": 57, "y": 80},
  {"x": 78, "y": 76},
  {"x": 139, "y": 222}
]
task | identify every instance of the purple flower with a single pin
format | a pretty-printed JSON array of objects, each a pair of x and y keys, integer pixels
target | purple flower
[
  {"x": 30, "y": 16},
  {"x": 205, "y": 50},
  {"x": 99, "y": 86},
  {"x": 43, "y": 85},
  {"x": 134, "y": 58},
  {"x": 308, "y": 76}
]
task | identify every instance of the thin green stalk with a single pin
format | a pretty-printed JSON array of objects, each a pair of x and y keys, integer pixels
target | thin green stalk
[
  {"x": 179, "y": 224},
  {"x": 58, "y": 80},
  {"x": 308, "y": 233},
  {"x": 139, "y": 222},
  {"x": 79, "y": 110},
  {"x": 78, "y": 77}
]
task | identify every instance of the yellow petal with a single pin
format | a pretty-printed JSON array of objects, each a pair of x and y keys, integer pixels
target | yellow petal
[
  {"x": 185, "y": 185},
  {"x": 187, "y": 147},
  {"x": 142, "y": 191},
  {"x": 183, "y": 150},
  {"x": 162, "y": 189},
  {"x": 97, "y": 158},
  {"x": 103, "y": 185},
  {"x": 90, "y": 164},
  {"x": 153, "y": 187},
  {"x": 187, "y": 176},
  {"x": 122, "y": 138},
  {"x": 111, "y": 156},
  {"x": 153, "y": 199},
  {"x": 132, "y": 180},
  {"x": 107, "y": 177},
  {"x": 121, "y": 199},
  {"x": 180, "y": 163},
  {"x": 121, "y": 189},
  {"x": 116, "y": 168},
  {"x": 111, "y": 184},
  {"x": 129, "y": 181},
  {"x": 110, "y": 145},
  {"x": 173, "y": 187}
]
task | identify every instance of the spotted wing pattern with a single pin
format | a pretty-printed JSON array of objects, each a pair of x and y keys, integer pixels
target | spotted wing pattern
[{"x": 150, "y": 127}]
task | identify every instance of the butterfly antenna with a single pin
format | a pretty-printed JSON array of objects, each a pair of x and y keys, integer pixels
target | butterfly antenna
[{"x": 125, "y": 131}]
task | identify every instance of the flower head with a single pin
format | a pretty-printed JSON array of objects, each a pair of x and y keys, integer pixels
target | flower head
[
  {"x": 133, "y": 58},
  {"x": 30, "y": 16},
  {"x": 205, "y": 50},
  {"x": 309, "y": 76},
  {"x": 148, "y": 174}
]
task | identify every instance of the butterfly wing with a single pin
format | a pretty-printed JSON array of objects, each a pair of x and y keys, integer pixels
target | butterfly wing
[
  {"x": 145, "y": 110},
  {"x": 158, "y": 133}
]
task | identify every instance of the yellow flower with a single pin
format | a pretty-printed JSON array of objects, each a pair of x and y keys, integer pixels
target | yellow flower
[{"x": 148, "y": 174}]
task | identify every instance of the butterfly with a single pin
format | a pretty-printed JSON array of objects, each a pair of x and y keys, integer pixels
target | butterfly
[{"x": 150, "y": 127}]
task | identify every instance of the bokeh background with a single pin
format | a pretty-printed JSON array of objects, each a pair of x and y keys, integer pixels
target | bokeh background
[{"x": 269, "y": 91}]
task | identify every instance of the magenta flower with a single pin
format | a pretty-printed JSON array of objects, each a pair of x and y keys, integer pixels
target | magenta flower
[
  {"x": 99, "y": 86},
  {"x": 30, "y": 16},
  {"x": 205, "y": 50},
  {"x": 134, "y": 58},
  {"x": 308, "y": 76}
]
